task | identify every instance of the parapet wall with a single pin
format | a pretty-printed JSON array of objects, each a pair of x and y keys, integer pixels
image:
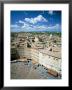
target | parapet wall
[{"x": 44, "y": 59}]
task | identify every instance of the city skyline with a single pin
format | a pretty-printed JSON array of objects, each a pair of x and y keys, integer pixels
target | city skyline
[{"x": 35, "y": 21}]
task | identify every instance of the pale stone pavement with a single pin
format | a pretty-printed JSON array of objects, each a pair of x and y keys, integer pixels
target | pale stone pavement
[{"x": 26, "y": 70}]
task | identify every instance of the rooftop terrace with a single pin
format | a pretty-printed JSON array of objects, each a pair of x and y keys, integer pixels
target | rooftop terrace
[{"x": 26, "y": 70}]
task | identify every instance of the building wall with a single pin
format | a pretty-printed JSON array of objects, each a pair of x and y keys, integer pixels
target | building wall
[
  {"x": 44, "y": 59},
  {"x": 21, "y": 52},
  {"x": 24, "y": 52},
  {"x": 50, "y": 62},
  {"x": 35, "y": 55},
  {"x": 27, "y": 53}
]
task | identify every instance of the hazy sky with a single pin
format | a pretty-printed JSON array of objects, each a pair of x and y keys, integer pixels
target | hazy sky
[{"x": 28, "y": 21}]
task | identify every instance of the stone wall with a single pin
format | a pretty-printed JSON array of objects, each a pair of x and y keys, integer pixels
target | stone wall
[{"x": 50, "y": 62}]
